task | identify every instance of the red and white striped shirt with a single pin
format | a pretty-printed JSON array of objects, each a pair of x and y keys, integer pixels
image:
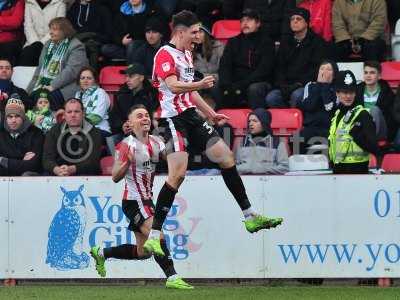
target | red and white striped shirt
[
  {"x": 171, "y": 61},
  {"x": 140, "y": 175}
]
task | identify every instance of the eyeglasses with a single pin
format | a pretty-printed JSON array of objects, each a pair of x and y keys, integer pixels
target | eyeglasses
[{"x": 86, "y": 77}]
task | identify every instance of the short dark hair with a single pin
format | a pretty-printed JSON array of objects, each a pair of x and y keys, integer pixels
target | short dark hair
[
  {"x": 373, "y": 64},
  {"x": 90, "y": 69},
  {"x": 184, "y": 18},
  {"x": 135, "y": 107},
  {"x": 72, "y": 100},
  {"x": 4, "y": 58}
]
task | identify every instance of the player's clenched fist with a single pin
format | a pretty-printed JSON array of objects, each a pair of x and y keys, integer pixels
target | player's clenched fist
[{"x": 207, "y": 82}]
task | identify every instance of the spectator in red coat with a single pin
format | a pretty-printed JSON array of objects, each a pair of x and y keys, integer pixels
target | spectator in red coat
[{"x": 11, "y": 28}]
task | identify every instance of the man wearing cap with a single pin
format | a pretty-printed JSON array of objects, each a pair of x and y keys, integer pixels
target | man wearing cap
[
  {"x": 21, "y": 143},
  {"x": 146, "y": 52},
  {"x": 136, "y": 90},
  {"x": 359, "y": 28},
  {"x": 352, "y": 135},
  {"x": 298, "y": 60},
  {"x": 246, "y": 65}
]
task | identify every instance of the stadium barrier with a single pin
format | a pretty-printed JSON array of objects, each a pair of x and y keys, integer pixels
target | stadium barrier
[{"x": 335, "y": 226}]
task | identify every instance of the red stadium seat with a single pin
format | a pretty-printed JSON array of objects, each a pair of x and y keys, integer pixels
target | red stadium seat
[
  {"x": 223, "y": 30},
  {"x": 372, "y": 161},
  {"x": 391, "y": 73},
  {"x": 286, "y": 121},
  {"x": 238, "y": 119},
  {"x": 111, "y": 79},
  {"x": 106, "y": 164},
  {"x": 391, "y": 163}
]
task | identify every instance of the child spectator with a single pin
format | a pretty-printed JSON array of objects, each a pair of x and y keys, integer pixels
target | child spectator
[{"x": 41, "y": 115}]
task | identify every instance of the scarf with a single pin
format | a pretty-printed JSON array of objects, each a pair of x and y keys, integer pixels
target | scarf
[
  {"x": 128, "y": 10},
  {"x": 89, "y": 98},
  {"x": 52, "y": 62}
]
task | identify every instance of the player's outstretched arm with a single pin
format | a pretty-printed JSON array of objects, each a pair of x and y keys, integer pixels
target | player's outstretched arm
[{"x": 180, "y": 87}]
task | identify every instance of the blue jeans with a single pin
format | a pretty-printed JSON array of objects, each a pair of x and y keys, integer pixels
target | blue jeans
[{"x": 274, "y": 98}]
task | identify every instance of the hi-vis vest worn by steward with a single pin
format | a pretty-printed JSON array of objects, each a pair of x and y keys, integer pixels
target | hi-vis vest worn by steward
[{"x": 342, "y": 148}]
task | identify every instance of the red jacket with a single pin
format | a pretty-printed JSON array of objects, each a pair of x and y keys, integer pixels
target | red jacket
[
  {"x": 321, "y": 17},
  {"x": 11, "y": 23}
]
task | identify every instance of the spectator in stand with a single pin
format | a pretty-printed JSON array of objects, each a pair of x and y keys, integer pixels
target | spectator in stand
[
  {"x": 359, "y": 28},
  {"x": 146, "y": 52},
  {"x": 378, "y": 98},
  {"x": 7, "y": 87},
  {"x": 273, "y": 14},
  {"x": 261, "y": 152},
  {"x": 41, "y": 116},
  {"x": 93, "y": 24},
  {"x": 207, "y": 55},
  {"x": 318, "y": 106},
  {"x": 129, "y": 27},
  {"x": 393, "y": 8},
  {"x": 62, "y": 57},
  {"x": 96, "y": 101},
  {"x": 246, "y": 65},
  {"x": 21, "y": 143},
  {"x": 299, "y": 57},
  {"x": 352, "y": 135},
  {"x": 38, "y": 14},
  {"x": 11, "y": 28},
  {"x": 136, "y": 90},
  {"x": 321, "y": 17},
  {"x": 72, "y": 147}
]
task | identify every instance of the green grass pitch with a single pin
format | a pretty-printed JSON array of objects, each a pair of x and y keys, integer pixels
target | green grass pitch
[{"x": 201, "y": 292}]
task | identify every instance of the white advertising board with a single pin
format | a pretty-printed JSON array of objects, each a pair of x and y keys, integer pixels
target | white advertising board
[
  {"x": 335, "y": 226},
  {"x": 4, "y": 222}
]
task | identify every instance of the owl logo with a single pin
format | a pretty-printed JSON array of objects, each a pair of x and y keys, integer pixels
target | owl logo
[{"x": 64, "y": 247}]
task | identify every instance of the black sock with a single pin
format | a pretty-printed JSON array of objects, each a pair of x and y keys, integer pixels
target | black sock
[
  {"x": 165, "y": 262},
  {"x": 164, "y": 202},
  {"x": 125, "y": 251},
  {"x": 235, "y": 185}
]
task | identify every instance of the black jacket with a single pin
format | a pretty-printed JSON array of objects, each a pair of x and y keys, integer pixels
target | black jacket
[
  {"x": 14, "y": 149},
  {"x": 145, "y": 55},
  {"x": 92, "y": 17},
  {"x": 135, "y": 25},
  {"x": 8, "y": 87},
  {"x": 53, "y": 155},
  {"x": 273, "y": 15},
  {"x": 125, "y": 99},
  {"x": 246, "y": 59},
  {"x": 386, "y": 104},
  {"x": 364, "y": 135},
  {"x": 298, "y": 62},
  {"x": 318, "y": 105}
]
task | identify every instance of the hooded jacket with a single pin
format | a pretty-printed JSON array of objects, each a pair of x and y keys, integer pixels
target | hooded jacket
[
  {"x": 14, "y": 146},
  {"x": 262, "y": 153},
  {"x": 90, "y": 142},
  {"x": 386, "y": 104},
  {"x": 319, "y": 103},
  {"x": 247, "y": 58},
  {"x": 36, "y": 23},
  {"x": 91, "y": 17},
  {"x": 11, "y": 21},
  {"x": 298, "y": 62}
]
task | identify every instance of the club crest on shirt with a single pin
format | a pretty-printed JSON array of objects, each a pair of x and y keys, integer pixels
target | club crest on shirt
[{"x": 166, "y": 66}]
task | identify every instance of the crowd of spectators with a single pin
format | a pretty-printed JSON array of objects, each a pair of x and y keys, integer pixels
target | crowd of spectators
[{"x": 285, "y": 56}]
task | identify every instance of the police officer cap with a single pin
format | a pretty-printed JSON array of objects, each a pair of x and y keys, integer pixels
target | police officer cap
[{"x": 345, "y": 81}]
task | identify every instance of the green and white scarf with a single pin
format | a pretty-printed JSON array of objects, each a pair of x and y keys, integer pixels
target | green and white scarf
[
  {"x": 52, "y": 62},
  {"x": 89, "y": 99}
]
